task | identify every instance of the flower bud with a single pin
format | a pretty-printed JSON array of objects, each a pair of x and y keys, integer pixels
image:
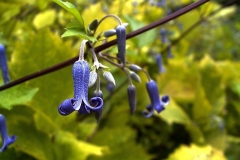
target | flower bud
[
  {"x": 159, "y": 63},
  {"x": 135, "y": 77},
  {"x": 132, "y": 98},
  {"x": 92, "y": 78},
  {"x": 109, "y": 77},
  {"x": 93, "y": 25},
  {"x": 109, "y": 33},
  {"x": 3, "y": 64},
  {"x": 135, "y": 68},
  {"x": 121, "y": 42},
  {"x": 169, "y": 52}
]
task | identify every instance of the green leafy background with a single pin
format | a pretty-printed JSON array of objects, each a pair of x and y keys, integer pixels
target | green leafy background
[{"x": 203, "y": 81}]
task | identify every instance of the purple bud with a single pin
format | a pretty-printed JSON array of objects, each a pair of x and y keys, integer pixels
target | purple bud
[
  {"x": 163, "y": 34},
  {"x": 3, "y": 64},
  {"x": 159, "y": 63},
  {"x": 169, "y": 52},
  {"x": 121, "y": 42},
  {"x": 132, "y": 98},
  {"x": 110, "y": 87},
  {"x": 6, "y": 140}
]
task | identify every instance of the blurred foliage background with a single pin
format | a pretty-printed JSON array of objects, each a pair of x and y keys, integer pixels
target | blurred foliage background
[{"x": 201, "y": 76}]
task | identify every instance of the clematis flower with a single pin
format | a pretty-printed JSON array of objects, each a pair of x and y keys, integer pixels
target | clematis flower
[
  {"x": 81, "y": 73},
  {"x": 156, "y": 103},
  {"x": 3, "y": 64},
  {"x": 6, "y": 140}
]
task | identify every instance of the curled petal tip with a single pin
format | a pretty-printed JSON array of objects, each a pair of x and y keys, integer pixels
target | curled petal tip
[
  {"x": 149, "y": 112},
  {"x": 66, "y": 107},
  {"x": 96, "y": 104},
  {"x": 165, "y": 100}
]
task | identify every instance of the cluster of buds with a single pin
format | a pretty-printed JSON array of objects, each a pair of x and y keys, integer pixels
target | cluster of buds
[{"x": 85, "y": 76}]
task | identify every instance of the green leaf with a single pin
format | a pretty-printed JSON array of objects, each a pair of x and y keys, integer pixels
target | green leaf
[
  {"x": 44, "y": 19},
  {"x": 16, "y": 95},
  {"x": 68, "y": 147},
  {"x": 72, "y": 9},
  {"x": 145, "y": 38},
  {"x": 53, "y": 88},
  {"x": 173, "y": 113},
  {"x": 211, "y": 74},
  {"x": 74, "y": 24},
  {"x": 74, "y": 32},
  {"x": 194, "y": 152}
]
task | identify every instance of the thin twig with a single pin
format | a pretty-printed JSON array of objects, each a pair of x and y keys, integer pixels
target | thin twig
[{"x": 106, "y": 45}]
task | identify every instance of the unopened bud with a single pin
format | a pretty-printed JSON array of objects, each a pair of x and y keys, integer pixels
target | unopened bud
[
  {"x": 93, "y": 25},
  {"x": 135, "y": 68},
  {"x": 109, "y": 77},
  {"x": 92, "y": 78},
  {"x": 132, "y": 98},
  {"x": 121, "y": 42},
  {"x": 109, "y": 33},
  {"x": 135, "y": 77}
]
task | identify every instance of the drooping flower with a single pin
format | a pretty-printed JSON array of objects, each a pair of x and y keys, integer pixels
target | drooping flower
[
  {"x": 156, "y": 103},
  {"x": 81, "y": 73},
  {"x": 121, "y": 42},
  {"x": 3, "y": 64},
  {"x": 6, "y": 140}
]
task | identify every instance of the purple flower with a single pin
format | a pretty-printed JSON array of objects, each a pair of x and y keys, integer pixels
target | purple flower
[
  {"x": 81, "y": 73},
  {"x": 159, "y": 63},
  {"x": 3, "y": 64},
  {"x": 6, "y": 140},
  {"x": 121, "y": 42},
  {"x": 156, "y": 103}
]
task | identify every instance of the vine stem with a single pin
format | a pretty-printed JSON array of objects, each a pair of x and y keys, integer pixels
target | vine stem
[{"x": 106, "y": 45}]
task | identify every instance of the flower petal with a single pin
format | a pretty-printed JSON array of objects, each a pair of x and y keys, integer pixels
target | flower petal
[
  {"x": 149, "y": 112},
  {"x": 96, "y": 104},
  {"x": 66, "y": 107},
  {"x": 81, "y": 73}
]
